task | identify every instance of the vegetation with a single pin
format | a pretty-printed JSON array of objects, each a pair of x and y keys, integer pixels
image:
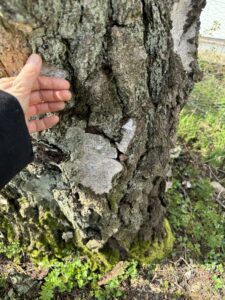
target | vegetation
[
  {"x": 202, "y": 123},
  {"x": 76, "y": 273},
  {"x": 196, "y": 211},
  {"x": 11, "y": 251},
  {"x": 196, "y": 219},
  {"x": 194, "y": 214}
]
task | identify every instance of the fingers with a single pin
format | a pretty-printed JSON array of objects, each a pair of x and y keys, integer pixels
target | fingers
[
  {"x": 42, "y": 83},
  {"x": 44, "y": 108},
  {"x": 40, "y": 125},
  {"x": 6, "y": 83},
  {"x": 6, "y": 79},
  {"x": 29, "y": 74},
  {"x": 51, "y": 83},
  {"x": 47, "y": 96}
]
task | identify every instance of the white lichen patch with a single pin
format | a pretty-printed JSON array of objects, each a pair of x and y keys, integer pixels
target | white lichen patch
[
  {"x": 50, "y": 70},
  {"x": 93, "y": 161},
  {"x": 182, "y": 45},
  {"x": 3, "y": 201},
  {"x": 66, "y": 205},
  {"x": 128, "y": 131},
  {"x": 66, "y": 236},
  {"x": 98, "y": 171}
]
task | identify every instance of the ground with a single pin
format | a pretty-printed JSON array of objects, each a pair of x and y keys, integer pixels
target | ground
[{"x": 195, "y": 269}]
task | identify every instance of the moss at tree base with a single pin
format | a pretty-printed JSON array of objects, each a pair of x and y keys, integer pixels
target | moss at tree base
[
  {"x": 147, "y": 252},
  {"x": 49, "y": 242}
]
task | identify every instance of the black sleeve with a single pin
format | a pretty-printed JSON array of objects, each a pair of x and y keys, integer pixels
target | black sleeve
[{"x": 15, "y": 141}]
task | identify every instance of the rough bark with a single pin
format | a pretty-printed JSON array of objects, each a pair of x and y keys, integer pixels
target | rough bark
[{"x": 99, "y": 177}]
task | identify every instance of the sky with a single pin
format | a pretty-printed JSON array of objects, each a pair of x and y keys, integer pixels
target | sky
[{"x": 214, "y": 12}]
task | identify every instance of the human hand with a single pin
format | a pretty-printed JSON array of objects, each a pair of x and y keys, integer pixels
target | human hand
[{"x": 37, "y": 94}]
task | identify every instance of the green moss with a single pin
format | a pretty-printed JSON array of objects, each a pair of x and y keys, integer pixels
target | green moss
[
  {"x": 7, "y": 229},
  {"x": 35, "y": 255},
  {"x": 50, "y": 241},
  {"x": 147, "y": 252},
  {"x": 114, "y": 198},
  {"x": 3, "y": 281},
  {"x": 97, "y": 260},
  {"x": 24, "y": 205},
  {"x": 112, "y": 255}
]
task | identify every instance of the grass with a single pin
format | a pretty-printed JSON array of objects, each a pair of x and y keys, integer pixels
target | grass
[
  {"x": 198, "y": 221},
  {"x": 196, "y": 218},
  {"x": 202, "y": 122}
]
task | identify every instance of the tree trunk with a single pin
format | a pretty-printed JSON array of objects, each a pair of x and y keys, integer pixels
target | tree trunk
[{"x": 98, "y": 179}]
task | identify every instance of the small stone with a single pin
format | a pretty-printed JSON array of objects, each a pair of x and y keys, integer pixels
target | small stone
[
  {"x": 94, "y": 245},
  {"x": 175, "y": 152},
  {"x": 188, "y": 274},
  {"x": 10, "y": 293},
  {"x": 169, "y": 185},
  {"x": 218, "y": 187},
  {"x": 169, "y": 173},
  {"x": 187, "y": 184},
  {"x": 14, "y": 280}
]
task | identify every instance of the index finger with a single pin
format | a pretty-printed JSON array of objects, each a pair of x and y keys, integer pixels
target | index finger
[
  {"x": 44, "y": 83},
  {"x": 50, "y": 83}
]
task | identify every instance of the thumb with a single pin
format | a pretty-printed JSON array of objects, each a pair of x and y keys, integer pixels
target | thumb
[{"x": 29, "y": 74}]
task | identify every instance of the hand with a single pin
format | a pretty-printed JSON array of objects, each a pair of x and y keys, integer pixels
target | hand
[{"x": 37, "y": 94}]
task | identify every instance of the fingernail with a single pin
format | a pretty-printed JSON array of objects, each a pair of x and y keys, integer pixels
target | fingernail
[
  {"x": 62, "y": 105},
  {"x": 56, "y": 119},
  {"x": 34, "y": 59},
  {"x": 66, "y": 95}
]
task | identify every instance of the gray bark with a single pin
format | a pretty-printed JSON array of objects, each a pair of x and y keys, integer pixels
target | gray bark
[{"x": 101, "y": 173}]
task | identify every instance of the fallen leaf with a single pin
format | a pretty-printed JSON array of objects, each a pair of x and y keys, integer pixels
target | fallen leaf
[{"x": 115, "y": 272}]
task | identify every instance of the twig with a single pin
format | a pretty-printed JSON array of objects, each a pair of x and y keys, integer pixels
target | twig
[
  {"x": 211, "y": 171},
  {"x": 218, "y": 199},
  {"x": 184, "y": 260}
]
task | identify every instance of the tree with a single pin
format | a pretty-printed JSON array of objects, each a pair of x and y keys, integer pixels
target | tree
[{"x": 98, "y": 179}]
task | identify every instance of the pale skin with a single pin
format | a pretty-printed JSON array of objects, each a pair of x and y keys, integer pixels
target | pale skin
[{"x": 37, "y": 94}]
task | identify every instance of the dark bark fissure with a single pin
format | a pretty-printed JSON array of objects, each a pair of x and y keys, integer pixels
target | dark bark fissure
[
  {"x": 108, "y": 43},
  {"x": 146, "y": 17}
]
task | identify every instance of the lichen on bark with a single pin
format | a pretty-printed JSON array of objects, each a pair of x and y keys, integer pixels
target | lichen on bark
[{"x": 101, "y": 172}]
